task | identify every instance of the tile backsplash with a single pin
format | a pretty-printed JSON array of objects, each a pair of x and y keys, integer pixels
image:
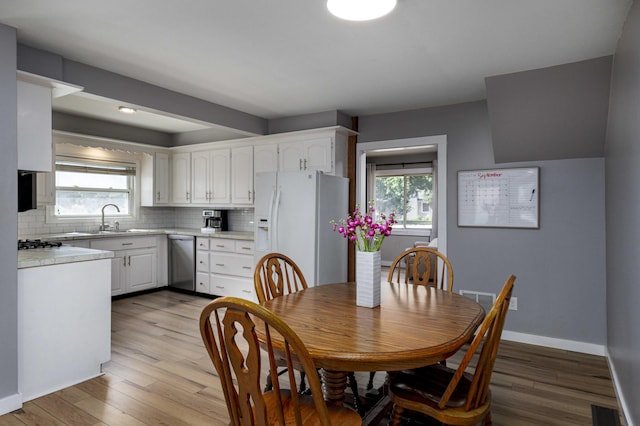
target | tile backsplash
[{"x": 33, "y": 222}]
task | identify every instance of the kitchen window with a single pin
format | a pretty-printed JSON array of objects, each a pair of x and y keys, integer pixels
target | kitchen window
[
  {"x": 408, "y": 194},
  {"x": 84, "y": 186}
]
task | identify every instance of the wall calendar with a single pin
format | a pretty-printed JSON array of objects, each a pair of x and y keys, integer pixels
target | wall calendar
[{"x": 500, "y": 198}]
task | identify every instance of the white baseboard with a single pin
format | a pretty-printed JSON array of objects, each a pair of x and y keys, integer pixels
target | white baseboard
[
  {"x": 619, "y": 394},
  {"x": 552, "y": 342},
  {"x": 10, "y": 403}
]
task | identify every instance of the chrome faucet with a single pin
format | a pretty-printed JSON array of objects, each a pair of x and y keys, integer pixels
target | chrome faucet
[{"x": 103, "y": 227}]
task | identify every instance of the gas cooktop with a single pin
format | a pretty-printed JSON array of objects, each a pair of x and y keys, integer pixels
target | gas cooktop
[{"x": 34, "y": 244}]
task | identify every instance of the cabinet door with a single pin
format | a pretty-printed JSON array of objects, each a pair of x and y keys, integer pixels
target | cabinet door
[
  {"x": 141, "y": 269},
  {"x": 181, "y": 178},
  {"x": 45, "y": 188},
  {"x": 161, "y": 178},
  {"x": 35, "y": 149},
  {"x": 242, "y": 175},
  {"x": 265, "y": 158},
  {"x": 220, "y": 176},
  {"x": 118, "y": 264},
  {"x": 318, "y": 155},
  {"x": 200, "y": 172},
  {"x": 291, "y": 156}
]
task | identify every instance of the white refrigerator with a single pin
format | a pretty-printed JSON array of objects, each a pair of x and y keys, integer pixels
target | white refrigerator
[{"x": 293, "y": 211}]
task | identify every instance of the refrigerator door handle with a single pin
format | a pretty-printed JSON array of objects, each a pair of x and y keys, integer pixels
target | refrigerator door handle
[
  {"x": 270, "y": 221},
  {"x": 274, "y": 222}
]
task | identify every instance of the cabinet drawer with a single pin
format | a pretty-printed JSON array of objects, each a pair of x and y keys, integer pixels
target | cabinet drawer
[
  {"x": 123, "y": 243},
  {"x": 202, "y": 261},
  {"x": 222, "y": 244},
  {"x": 202, "y": 243},
  {"x": 231, "y": 264},
  {"x": 202, "y": 282},
  {"x": 245, "y": 247},
  {"x": 232, "y": 286}
]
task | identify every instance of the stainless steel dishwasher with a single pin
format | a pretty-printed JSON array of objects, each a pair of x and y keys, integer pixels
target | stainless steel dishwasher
[{"x": 182, "y": 262}]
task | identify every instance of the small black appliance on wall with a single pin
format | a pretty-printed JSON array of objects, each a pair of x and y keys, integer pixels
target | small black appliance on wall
[{"x": 27, "y": 190}]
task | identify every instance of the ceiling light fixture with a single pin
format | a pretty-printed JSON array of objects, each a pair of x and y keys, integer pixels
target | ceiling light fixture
[
  {"x": 126, "y": 110},
  {"x": 360, "y": 10}
]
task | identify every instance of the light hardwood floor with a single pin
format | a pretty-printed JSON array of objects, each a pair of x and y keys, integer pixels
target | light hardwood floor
[{"x": 160, "y": 375}]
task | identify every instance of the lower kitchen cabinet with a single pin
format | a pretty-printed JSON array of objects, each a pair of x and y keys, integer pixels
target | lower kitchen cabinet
[
  {"x": 224, "y": 267},
  {"x": 135, "y": 263}
]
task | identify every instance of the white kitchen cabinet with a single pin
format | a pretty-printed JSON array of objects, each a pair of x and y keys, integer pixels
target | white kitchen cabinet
[
  {"x": 45, "y": 188},
  {"x": 134, "y": 266},
  {"x": 154, "y": 180},
  {"x": 224, "y": 267},
  {"x": 64, "y": 325},
  {"x": 210, "y": 174},
  {"x": 34, "y": 127},
  {"x": 242, "y": 175},
  {"x": 312, "y": 154},
  {"x": 181, "y": 178},
  {"x": 265, "y": 158}
]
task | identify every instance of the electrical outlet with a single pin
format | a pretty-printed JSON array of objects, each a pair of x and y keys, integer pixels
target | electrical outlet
[{"x": 513, "y": 304}]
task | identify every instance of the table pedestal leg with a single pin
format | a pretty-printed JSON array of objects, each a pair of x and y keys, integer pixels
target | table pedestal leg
[{"x": 333, "y": 386}]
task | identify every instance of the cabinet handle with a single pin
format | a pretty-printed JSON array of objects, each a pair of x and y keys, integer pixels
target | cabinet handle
[
  {"x": 246, "y": 291},
  {"x": 201, "y": 262},
  {"x": 124, "y": 261},
  {"x": 158, "y": 199},
  {"x": 187, "y": 195},
  {"x": 305, "y": 164},
  {"x": 245, "y": 248},
  {"x": 300, "y": 166},
  {"x": 219, "y": 264},
  {"x": 249, "y": 191},
  {"x": 127, "y": 244},
  {"x": 129, "y": 261},
  {"x": 219, "y": 286},
  {"x": 246, "y": 267},
  {"x": 219, "y": 245}
]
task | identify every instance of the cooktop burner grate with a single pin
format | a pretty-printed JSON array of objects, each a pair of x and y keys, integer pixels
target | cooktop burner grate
[{"x": 34, "y": 244}]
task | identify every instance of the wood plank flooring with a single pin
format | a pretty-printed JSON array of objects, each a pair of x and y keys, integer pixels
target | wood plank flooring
[{"x": 160, "y": 374}]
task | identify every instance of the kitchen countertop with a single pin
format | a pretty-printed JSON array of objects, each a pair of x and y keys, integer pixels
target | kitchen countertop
[
  {"x": 57, "y": 255},
  {"x": 79, "y": 235}
]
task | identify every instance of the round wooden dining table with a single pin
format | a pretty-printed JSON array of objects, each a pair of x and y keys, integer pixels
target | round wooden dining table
[{"x": 414, "y": 326}]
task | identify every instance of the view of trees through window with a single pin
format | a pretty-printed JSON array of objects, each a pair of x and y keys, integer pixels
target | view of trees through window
[{"x": 409, "y": 196}]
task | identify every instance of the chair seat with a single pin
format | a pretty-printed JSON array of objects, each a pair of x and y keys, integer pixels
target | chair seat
[
  {"x": 308, "y": 412},
  {"x": 427, "y": 384}
]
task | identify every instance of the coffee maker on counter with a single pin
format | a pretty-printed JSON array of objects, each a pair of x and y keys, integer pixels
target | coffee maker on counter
[{"x": 214, "y": 221}]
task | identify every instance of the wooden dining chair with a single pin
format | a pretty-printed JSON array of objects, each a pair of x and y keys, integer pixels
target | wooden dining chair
[
  {"x": 276, "y": 275},
  {"x": 228, "y": 329},
  {"x": 422, "y": 266},
  {"x": 455, "y": 397}
]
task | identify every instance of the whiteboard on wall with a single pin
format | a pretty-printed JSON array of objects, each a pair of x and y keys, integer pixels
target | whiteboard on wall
[{"x": 500, "y": 198}]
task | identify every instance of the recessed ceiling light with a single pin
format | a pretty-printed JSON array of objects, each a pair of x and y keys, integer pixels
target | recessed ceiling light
[
  {"x": 360, "y": 10},
  {"x": 126, "y": 110}
]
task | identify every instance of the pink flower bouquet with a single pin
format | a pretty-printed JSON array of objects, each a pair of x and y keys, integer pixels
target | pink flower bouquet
[{"x": 362, "y": 229}]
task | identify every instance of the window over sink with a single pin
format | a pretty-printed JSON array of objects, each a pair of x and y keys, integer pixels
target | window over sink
[{"x": 84, "y": 186}]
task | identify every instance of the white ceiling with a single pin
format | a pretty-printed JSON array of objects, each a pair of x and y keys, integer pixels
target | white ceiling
[{"x": 282, "y": 58}]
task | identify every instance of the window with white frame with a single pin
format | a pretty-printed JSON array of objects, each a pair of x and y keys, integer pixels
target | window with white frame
[
  {"x": 84, "y": 186},
  {"x": 408, "y": 193}
]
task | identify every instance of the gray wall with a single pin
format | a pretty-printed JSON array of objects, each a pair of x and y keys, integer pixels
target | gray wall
[
  {"x": 551, "y": 113},
  {"x": 623, "y": 215},
  {"x": 560, "y": 267},
  {"x": 9, "y": 215}
]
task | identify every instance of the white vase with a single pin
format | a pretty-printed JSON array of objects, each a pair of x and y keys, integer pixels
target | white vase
[{"x": 368, "y": 278}]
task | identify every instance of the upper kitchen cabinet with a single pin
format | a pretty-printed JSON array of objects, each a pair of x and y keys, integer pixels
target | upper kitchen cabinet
[
  {"x": 181, "y": 178},
  {"x": 242, "y": 175},
  {"x": 265, "y": 158},
  {"x": 154, "y": 180},
  {"x": 35, "y": 149},
  {"x": 210, "y": 174},
  {"x": 326, "y": 151}
]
